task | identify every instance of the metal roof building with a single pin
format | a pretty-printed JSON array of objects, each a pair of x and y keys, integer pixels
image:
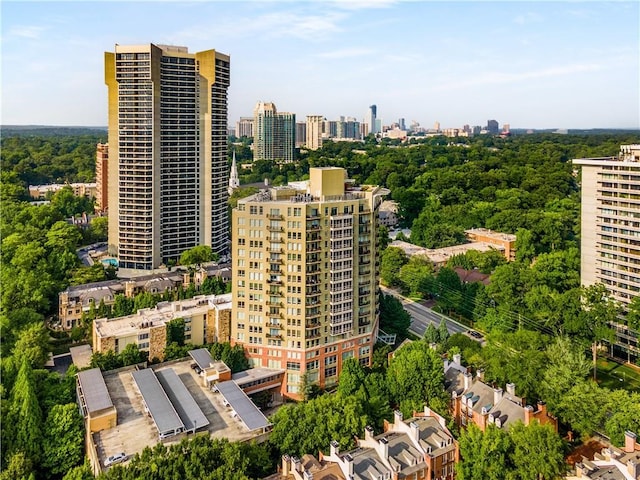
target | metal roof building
[
  {"x": 157, "y": 403},
  {"x": 187, "y": 408},
  {"x": 95, "y": 401},
  {"x": 241, "y": 404}
]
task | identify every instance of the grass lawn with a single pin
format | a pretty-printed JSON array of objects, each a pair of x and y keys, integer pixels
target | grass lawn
[{"x": 615, "y": 375}]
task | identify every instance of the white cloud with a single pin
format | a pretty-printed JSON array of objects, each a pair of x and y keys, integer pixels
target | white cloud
[
  {"x": 527, "y": 18},
  {"x": 494, "y": 78},
  {"x": 361, "y": 4},
  {"x": 346, "y": 53},
  {"x": 26, "y": 31}
]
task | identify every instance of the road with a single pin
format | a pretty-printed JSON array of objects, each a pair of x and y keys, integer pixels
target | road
[{"x": 422, "y": 316}]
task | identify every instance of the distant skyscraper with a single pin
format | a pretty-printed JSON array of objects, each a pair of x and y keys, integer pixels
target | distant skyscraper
[
  {"x": 273, "y": 133},
  {"x": 371, "y": 118},
  {"x": 168, "y": 166},
  {"x": 436, "y": 126},
  {"x": 314, "y": 131},
  {"x": 378, "y": 125},
  {"x": 402, "y": 125},
  {"x": 244, "y": 127},
  {"x": 102, "y": 176},
  {"x": 301, "y": 134},
  {"x": 234, "y": 181},
  {"x": 493, "y": 126}
]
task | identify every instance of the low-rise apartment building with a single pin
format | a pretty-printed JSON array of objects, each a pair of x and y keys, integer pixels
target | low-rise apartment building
[
  {"x": 39, "y": 192},
  {"x": 473, "y": 401},
  {"x": 78, "y": 299},
  {"x": 505, "y": 242},
  {"x": 207, "y": 319}
]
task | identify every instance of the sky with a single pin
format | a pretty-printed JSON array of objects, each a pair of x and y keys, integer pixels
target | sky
[{"x": 531, "y": 65}]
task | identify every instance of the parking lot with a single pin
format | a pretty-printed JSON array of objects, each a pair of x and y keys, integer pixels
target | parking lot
[{"x": 135, "y": 429}]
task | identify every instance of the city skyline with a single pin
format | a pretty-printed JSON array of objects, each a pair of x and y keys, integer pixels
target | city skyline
[{"x": 532, "y": 65}]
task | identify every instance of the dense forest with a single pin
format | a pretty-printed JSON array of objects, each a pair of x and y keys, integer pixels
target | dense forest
[{"x": 541, "y": 324}]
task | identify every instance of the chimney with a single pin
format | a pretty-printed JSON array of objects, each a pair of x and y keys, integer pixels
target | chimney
[
  {"x": 511, "y": 388},
  {"x": 397, "y": 417},
  {"x": 384, "y": 448},
  {"x": 467, "y": 380},
  {"x": 368, "y": 433},
  {"x": 528, "y": 414},
  {"x": 497, "y": 395},
  {"x": 415, "y": 431},
  {"x": 297, "y": 464},
  {"x": 633, "y": 467},
  {"x": 542, "y": 408},
  {"x": 480, "y": 374},
  {"x": 457, "y": 358},
  {"x": 307, "y": 475},
  {"x": 285, "y": 465},
  {"x": 348, "y": 459},
  {"x": 335, "y": 448},
  {"x": 629, "y": 442}
]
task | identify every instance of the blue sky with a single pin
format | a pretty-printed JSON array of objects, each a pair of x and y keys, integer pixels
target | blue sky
[{"x": 534, "y": 65}]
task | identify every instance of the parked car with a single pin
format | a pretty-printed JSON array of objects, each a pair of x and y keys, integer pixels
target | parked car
[
  {"x": 113, "y": 459},
  {"x": 475, "y": 334}
]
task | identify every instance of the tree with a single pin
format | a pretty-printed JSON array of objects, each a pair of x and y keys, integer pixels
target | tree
[
  {"x": 623, "y": 410},
  {"x": 633, "y": 313},
  {"x": 484, "y": 456},
  {"x": 383, "y": 237},
  {"x": 310, "y": 426},
  {"x": 122, "y": 306},
  {"x": 197, "y": 255},
  {"x": 63, "y": 236},
  {"x": 24, "y": 419},
  {"x": 566, "y": 365},
  {"x": 393, "y": 317},
  {"x": 443, "y": 331},
  {"x": 132, "y": 355},
  {"x": 600, "y": 310},
  {"x": 175, "y": 331},
  {"x": 33, "y": 345},
  {"x": 82, "y": 472},
  {"x": 393, "y": 259},
  {"x": 63, "y": 439},
  {"x": 416, "y": 276},
  {"x": 431, "y": 334},
  {"x": 583, "y": 407},
  {"x": 19, "y": 467},
  {"x": 233, "y": 357},
  {"x": 537, "y": 451},
  {"x": 415, "y": 376}
]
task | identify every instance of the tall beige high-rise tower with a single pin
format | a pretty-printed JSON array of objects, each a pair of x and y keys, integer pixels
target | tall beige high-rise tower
[
  {"x": 305, "y": 276},
  {"x": 168, "y": 171}
]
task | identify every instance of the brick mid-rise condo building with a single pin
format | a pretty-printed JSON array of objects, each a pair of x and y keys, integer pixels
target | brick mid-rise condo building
[{"x": 305, "y": 276}]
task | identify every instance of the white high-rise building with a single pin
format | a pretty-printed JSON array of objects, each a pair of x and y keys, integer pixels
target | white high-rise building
[
  {"x": 314, "y": 131},
  {"x": 168, "y": 167}
]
